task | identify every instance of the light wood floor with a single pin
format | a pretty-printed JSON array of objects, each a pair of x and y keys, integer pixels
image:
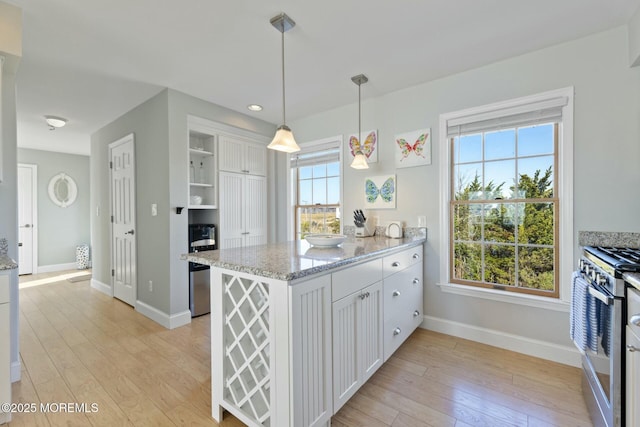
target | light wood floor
[{"x": 78, "y": 345}]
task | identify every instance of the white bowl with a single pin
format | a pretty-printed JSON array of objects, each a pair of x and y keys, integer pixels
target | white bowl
[
  {"x": 325, "y": 240},
  {"x": 195, "y": 200}
]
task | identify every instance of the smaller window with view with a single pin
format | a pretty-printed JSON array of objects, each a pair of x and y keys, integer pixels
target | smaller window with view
[{"x": 316, "y": 172}]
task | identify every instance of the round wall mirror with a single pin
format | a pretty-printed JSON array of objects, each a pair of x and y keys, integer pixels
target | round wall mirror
[{"x": 63, "y": 190}]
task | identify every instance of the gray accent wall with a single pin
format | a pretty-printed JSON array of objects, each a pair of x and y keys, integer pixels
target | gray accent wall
[
  {"x": 9, "y": 184},
  {"x": 160, "y": 131},
  {"x": 606, "y": 157},
  {"x": 60, "y": 230}
]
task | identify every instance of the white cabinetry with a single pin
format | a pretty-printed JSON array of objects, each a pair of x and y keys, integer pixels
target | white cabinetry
[
  {"x": 403, "y": 297},
  {"x": 243, "y": 210},
  {"x": 357, "y": 328},
  {"x": 632, "y": 412},
  {"x": 242, "y": 156},
  {"x": 202, "y": 168},
  {"x": 5, "y": 354},
  {"x": 271, "y": 349}
]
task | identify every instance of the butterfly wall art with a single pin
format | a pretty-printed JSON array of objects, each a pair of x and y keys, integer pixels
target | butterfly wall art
[
  {"x": 413, "y": 148},
  {"x": 368, "y": 145},
  {"x": 380, "y": 192}
]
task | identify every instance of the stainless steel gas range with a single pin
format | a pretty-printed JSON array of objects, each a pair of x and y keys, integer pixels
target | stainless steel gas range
[{"x": 600, "y": 273}]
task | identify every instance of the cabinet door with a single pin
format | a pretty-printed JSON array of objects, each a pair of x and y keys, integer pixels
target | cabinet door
[
  {"x": 357, "y": 341},
  {"x": 370, "y": 330},
  {"x": 345, "y": 350},
  {"x": 5, "y": 362},
  {"x": 255, "y": 227},
  {"x": 633, "y": 379},
  {"x": 256, "y": 159},
  {"x": 231, "y": 210},
  {"x": 231, "y": 154}
]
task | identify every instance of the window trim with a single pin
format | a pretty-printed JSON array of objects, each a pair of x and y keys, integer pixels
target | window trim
[{"x": 565, "y": 197}]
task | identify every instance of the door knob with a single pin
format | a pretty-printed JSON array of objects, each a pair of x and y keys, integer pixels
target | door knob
[
  {"x": 397, "y": 331},
  {"x": 130, "y": 232},
  {"x": 27, "y": 226},
  {"x": 396, "y": 293}
]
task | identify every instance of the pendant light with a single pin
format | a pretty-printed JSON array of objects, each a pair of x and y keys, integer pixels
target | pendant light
[
  {"x": 359, "y": 160},
  {"x": 283, "y": 140}
]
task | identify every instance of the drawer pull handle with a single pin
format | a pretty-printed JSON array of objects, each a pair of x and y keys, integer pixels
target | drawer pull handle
[
  {"x": 416, "y": 281},
  {"x": 416, "y": 256},
  {"x": 632, "y": 348},
  {"x": 367, "y": 294},
  {"x": 396, "y": 293},
  {"x": 397, "y": 331},
  {"x": 416, "y": 313},
  {"x": 635, "y": 320},
  {"x": 362, "y": 296},
  {"x": 395, "y": 264}
]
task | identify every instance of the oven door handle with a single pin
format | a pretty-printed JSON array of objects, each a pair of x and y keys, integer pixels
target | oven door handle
[{"x": 600, "y": 295}]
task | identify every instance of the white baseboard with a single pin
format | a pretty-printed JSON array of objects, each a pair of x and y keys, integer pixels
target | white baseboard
[
  {"x": 542, "y": 349},
  {"x": 168, "y": 321},
  {"x": 16, "y": 371},
  {"x": 56, "y": 267},
  {"x": 102, "y": 287}
]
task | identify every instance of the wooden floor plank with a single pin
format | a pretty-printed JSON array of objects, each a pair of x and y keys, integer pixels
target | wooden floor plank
[{"x": 79, "y": 345}]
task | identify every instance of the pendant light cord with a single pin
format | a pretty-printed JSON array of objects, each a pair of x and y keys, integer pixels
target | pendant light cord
[
  {"x": 284, "y": 116},
  {"x": 359, "y": 117}
]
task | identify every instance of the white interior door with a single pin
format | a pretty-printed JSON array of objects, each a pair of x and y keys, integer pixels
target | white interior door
[
  {"x": 26, "y": 218},
  {"x": 123, "y": 220}
]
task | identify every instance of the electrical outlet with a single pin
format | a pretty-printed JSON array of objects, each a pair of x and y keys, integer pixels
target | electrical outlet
[
  {"x": 154, "y": 209},
  {"x": 150, "y": 285},
  {"x": 422, "y": 221}
]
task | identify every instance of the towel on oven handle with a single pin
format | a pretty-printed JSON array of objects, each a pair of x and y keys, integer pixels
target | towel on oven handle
[{"x": 583, "y": 319}]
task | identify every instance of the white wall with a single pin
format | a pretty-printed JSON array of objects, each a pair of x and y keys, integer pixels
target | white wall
[
  {"x": 60, "y": 230},
  {"x": 606, "y": 159}
]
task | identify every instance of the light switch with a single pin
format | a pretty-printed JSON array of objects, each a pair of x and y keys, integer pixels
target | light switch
[
  {"x": 422, "y": 221},
  {"x": 154, "y": 209}
]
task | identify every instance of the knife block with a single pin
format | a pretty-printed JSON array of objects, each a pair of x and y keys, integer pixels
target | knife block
[{"x": 365, "y": 231}]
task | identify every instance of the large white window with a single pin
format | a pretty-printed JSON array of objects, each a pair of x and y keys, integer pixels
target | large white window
[
  {"x": 316, "y": 173},
  {"x": 507, "y": 202}
]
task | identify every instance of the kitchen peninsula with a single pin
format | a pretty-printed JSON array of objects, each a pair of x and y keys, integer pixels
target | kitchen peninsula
[{"x": 297, "y": 329}]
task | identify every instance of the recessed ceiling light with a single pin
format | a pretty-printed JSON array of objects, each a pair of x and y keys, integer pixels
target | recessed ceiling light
[
  {"x": 55, "y": 122},
  {"x": 254, "y": 107}
]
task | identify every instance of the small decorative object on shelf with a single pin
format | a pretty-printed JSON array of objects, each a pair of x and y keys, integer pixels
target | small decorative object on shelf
[
  {"x": 201, "y": 174},
  {"x": 192, "y": 172}
]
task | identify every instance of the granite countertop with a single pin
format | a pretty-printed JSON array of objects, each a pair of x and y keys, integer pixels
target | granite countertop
[
  {"x": 296, "y": 259},
  {"x": 633, "y": 279},
  {"x": 6, "y": 263},
  {"x": 613, "y": 239}
]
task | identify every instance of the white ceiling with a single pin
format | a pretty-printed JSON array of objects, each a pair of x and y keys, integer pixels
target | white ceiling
[{"x": 92, "y": 61}]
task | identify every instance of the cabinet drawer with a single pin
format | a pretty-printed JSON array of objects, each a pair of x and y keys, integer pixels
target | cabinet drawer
[
  {"x": 397, "y": 262},
  {"x": 4, "y": 288},
  {"x": 633, "y": 309},
  {"x": 402, "y": 291},
  {"x": 398, "y": 329},
  {"x": 352, "y": 279}
]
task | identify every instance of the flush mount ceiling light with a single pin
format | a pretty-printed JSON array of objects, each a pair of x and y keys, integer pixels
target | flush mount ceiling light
[
  {"x": 359, "y": 160},
  {"x": 55, "y": 122},
  {"x": 283, "y": 140},
  {"x": 254, "y": 107}
]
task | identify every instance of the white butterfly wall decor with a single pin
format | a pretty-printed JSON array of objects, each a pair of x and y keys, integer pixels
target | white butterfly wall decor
[
  {"x": 413, "y": 148},
  {"x": 380, "y": 192},
  {"x": 367, "y": 142}
]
